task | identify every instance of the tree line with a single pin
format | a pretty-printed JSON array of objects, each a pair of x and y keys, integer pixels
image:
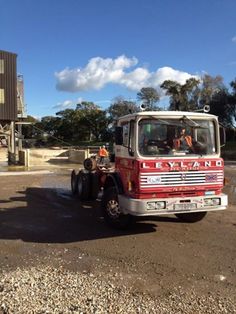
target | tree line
[{"x": 90, "y": 123}]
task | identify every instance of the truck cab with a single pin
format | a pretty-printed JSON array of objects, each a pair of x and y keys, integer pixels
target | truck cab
[
  {"x": 166, "y": 162},
  {"x": 169, "y": 163}
]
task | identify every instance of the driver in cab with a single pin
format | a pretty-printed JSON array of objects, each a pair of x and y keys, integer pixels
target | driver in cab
[{"x": 183, "y": 142}]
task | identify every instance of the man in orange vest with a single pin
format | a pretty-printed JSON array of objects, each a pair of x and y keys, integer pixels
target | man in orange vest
[
  {"x": 103, "y": 153},
  {"x": 184, "y": 142}
]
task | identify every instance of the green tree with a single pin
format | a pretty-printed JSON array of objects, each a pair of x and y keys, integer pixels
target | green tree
[
  {"x": 86, "y": 123},
  {"x": 209, "y": 87},
  {"x": 27, "y": 129},
  {"x": 173, "y": 90},
  {"x": 66, "y": 125},
  {"x": 215, "y": 94},
  {"x": 232, "y": 99},
  {"x": 220, "y": 106},
  {"x": 191, "y": 94},
  {"x": 121, "y": 107},
  {"x": 182, "y": 97},
  {"x": 227, "y": 112},
  {"x": 50, "y": 131},
  {"x": 195, "y": 94},
  {"x": 93, "y": 119},
  {"x": 149, "y": 96}
]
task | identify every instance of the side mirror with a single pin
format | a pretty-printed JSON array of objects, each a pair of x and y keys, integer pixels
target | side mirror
[
  {"x": 222, "y": 136},
  {"x": 119, "y": 135}
]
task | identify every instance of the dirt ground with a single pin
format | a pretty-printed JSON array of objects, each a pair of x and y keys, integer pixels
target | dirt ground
[{"x": 41, "y": 223}]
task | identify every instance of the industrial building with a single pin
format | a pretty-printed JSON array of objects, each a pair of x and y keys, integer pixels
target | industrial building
[{"x": 12, "y": 107}]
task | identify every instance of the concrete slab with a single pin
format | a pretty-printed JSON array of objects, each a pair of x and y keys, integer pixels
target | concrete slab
[{"x": 20, "y": 173}]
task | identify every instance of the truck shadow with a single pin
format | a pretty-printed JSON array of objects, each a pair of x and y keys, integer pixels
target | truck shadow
[{"x": 47, "y": 215}]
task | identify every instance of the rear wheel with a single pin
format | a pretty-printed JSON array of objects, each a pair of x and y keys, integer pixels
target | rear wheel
[
  {"x": 74, "y": 182},
  {"x": 94, "y": 186},
  {"x": 83, "y": 186},
  {"x": 191, "y": 217},
  {"x": 111, "y": 210}
]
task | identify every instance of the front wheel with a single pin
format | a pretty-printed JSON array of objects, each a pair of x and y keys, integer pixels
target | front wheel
[
  {"x": 111, "y": 210},
  {"x": 191, "y": 217}
]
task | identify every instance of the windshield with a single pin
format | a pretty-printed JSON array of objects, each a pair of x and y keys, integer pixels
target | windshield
[{"x": 177, "y": 137}]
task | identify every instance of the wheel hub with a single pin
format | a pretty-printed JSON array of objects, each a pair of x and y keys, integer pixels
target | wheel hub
[{"x": 113, "y": 209}]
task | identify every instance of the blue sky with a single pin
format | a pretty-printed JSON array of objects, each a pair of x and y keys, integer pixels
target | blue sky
[{"x": 96, "y": 50}]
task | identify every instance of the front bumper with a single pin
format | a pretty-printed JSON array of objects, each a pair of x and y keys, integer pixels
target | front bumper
[{"x": 141, "y": 207}]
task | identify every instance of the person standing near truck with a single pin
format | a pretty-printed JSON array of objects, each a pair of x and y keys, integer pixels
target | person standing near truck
[{"x": 103, "y": 153}]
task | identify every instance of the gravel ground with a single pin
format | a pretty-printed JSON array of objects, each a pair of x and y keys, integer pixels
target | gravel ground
[
  {"x": 58, "y": 256},
  {"x": 56, "y": 290}
]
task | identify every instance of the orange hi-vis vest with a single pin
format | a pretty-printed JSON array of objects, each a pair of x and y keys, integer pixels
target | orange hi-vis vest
[
  {"x": 103, "y": 152},
  {"x": 188, "y": 140}
]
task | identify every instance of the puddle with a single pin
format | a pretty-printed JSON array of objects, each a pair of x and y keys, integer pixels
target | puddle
[
  {"x": 25, "y": 226},
  {"x": 66, "y": 166},
  {"x": 67, "y": 216},
  {"x": 64, "y": 193}
]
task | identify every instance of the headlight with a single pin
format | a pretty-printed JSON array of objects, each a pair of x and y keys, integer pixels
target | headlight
[
  {"x": 208, "y": 202},
  {"x": 151, "y": 206},
  {"x": 156, "y": 205},
  {"x": 212, "y": 201},
  {"x": 160, "y": 205},
  {"x": 216, "y": 201}
]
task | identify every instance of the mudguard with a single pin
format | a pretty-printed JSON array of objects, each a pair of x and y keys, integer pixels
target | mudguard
[{"x": 113, "y": 179}]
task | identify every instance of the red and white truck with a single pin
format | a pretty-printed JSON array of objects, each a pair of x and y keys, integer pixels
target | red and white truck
[{"x": 166, "y": 162}]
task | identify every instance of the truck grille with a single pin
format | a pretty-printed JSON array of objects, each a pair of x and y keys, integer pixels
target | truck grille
[{"x": 196, "y": 178}]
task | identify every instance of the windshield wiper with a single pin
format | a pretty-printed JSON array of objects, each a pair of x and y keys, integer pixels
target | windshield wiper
[{"x": 192, "y": 123}]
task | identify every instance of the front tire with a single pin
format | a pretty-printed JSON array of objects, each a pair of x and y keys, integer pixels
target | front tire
[
  {"x": 111, "y": 210},
  {"x": 191, "y": 217}
]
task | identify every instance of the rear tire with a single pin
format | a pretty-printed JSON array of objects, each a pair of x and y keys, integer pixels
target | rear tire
[
  {"x": 111, "y": 210},
  {"x": 94, "y": 186},
  {"x": 83, "y": 186},
  {"x": 74, "y": 182},
  {"x": 191, "y": 217}
]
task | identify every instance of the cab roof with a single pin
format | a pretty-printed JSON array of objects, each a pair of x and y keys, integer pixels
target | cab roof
[{"x": 167, "y": 114}]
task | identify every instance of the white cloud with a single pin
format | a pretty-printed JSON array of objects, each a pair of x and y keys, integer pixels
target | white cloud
[
  {"x": 168, "y": 73},
  {"x": 234, "y": 39},
  {"x": 99, "y": 72},
  {"x": 136, "y": 79},
  {"x": 66, "y": 104}
]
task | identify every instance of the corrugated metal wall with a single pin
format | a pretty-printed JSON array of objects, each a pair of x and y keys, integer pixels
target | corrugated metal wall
[
  {"x": 20, "y": 97},
  {"x": 8, "y": 86}
]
